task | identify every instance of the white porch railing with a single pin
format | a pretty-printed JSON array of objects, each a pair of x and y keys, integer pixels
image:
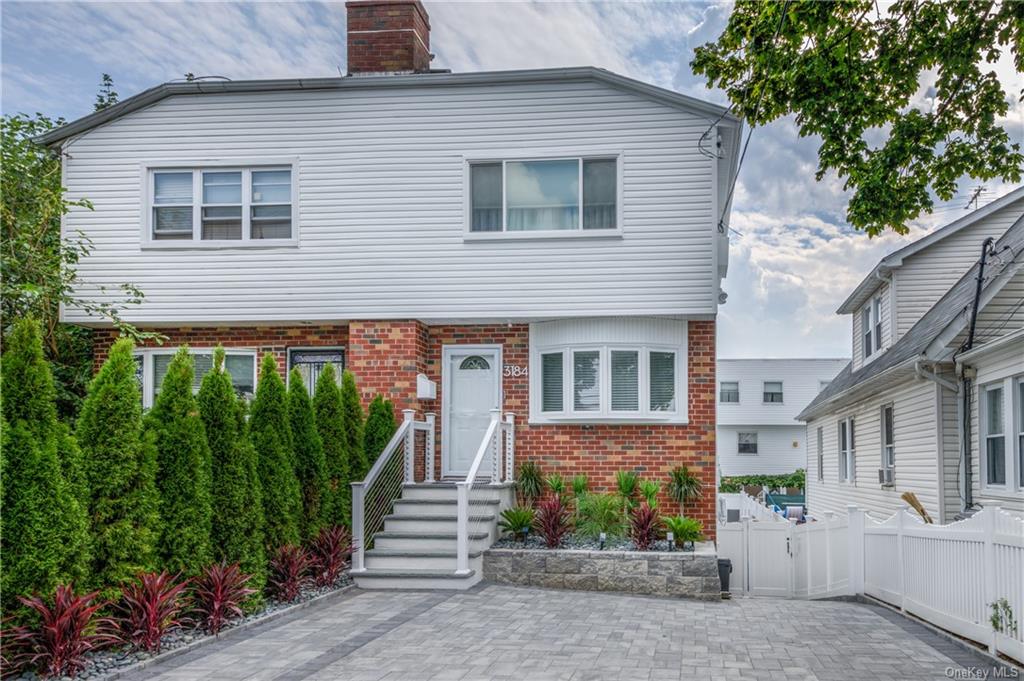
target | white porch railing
[
  {"x": 949, "y": 575},
  {"x": 374, "y": 497},
  {"x": 499, "y": 439}
]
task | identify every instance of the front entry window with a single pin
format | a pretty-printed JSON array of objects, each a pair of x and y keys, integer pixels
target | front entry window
[{"x": 474, "y": 363}]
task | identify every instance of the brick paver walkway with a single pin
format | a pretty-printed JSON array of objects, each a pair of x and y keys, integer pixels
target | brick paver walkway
[{"x": 497, "y": 632}]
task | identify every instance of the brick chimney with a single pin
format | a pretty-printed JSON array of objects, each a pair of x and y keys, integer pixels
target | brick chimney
[{"x": 387, "y": 36}]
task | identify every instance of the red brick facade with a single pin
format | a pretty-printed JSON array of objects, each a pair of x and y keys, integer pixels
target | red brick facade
[{"x": 387, "y": 356}]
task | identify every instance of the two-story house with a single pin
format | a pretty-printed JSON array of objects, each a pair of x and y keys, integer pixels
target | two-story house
[
  {"x": 758, "y": 400},
  {"x": 550, "y": 243},
  {"x": 933, "y": 401}
]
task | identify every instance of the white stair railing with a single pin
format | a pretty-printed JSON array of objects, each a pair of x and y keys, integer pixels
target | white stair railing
[
  {"x": 374, "y": 497},
  {"x": 498, "y": 439}
]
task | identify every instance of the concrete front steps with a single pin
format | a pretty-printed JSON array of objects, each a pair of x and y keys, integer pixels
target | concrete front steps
[{"x": 417, "y": 547}]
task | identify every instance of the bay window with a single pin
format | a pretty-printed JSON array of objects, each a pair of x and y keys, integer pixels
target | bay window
[
  {"x": 211, "y": 206},
  {"x": 151, "y": 369},
  {"x": 543, "y": 195}
]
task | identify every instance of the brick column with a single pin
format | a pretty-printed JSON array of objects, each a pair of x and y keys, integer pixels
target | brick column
[{"x": 385, "y": 357}]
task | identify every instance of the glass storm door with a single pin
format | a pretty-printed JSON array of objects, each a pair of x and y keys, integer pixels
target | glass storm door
[{"x": 473, "y": 389}]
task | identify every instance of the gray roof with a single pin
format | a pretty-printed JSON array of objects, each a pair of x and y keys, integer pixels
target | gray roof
[
  {"x": 871, "y": 282},
  {"x": 945, "y": 313},
  {"x": 585, "y": 73}
]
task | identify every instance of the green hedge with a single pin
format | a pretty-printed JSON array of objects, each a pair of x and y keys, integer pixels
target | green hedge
[{"x": 736, "y": 483}]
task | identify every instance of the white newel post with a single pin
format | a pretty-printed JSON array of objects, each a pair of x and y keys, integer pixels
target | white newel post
[
  {"x": 428, "y": 448},
  {"x": 510, "y": 447},
  {"x": 358, "y": 507},
  {"x": 408, "y": 415},
  {"x": 900, "y": 515},
  {"x": 462, "y": 528},
  {"x": 830, "y": 521},
  {"x": 988, "y": 575},
  {"x": 495, "y": 446},
  {"x": 855, "y": 550}
]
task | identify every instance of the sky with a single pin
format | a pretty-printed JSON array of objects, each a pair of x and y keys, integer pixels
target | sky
[{"x": 793, "y": 257}]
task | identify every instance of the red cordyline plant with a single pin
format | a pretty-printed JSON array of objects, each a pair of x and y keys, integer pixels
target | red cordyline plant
[
  {"x": 289, "y": 572},
  {"x": 218, "y": 594},
  {"x": 148, "y": 609},
  {"x": 552, "y": 521},
  {"x": 58, "y": 644},
  {"x": 330, "y": 551},
  {"x": 643, "y": 526}
]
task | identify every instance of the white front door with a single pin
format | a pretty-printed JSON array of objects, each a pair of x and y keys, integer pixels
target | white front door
[{"x": 472, "y": 387}]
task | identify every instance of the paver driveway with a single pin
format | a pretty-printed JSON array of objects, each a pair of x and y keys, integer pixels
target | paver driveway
[{"x": 497, "y": 632}]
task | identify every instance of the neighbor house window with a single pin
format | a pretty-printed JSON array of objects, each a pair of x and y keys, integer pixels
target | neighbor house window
[
  {"x": 846, "y": 450},
  {"x": 747, "y": 443},
  {"x": 608, "y": 382},
  {"x": 773, "y": 391},
  {"x": 871, "y": 327},
  {"x": 994, "y": 436},
  {"x": 312, "y": 361},
  {"x": 236, "y": 206},
  {"x": 1020, "y": 432},
  {"x": 888, "y": 439},
  {"x": 821, "y": 453},
  {"x": 543, "y": 195},
  {"x": 152, "y": 365},
  {"x": 729, "y": 392}
]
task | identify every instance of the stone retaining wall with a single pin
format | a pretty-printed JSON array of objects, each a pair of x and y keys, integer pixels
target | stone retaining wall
[{"x": 692, "y": 574}]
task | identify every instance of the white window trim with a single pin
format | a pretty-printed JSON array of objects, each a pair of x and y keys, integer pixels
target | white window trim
[
  {"x": 756, "y": 451},
  {"x": 849, "y": 475},
  {"x": 738, "y": 395},
  {"x": 821, "y": 453},
  {"x": 881, "y": 439},
  {"x": 1010, "y": 439},
  {"x": 782, "y": 384},
  {"x": 605, "y": 414},
  {"x": 1018, "y": 439},
  {"x": 246, "y": 166},
  {"x": 551, "y": 155},
  {"x": 873, "y": 308},
  {"x": 148, "y": 377}
]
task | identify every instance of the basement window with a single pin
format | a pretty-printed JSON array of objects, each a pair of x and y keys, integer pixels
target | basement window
[{"x": 220, "y": 206}]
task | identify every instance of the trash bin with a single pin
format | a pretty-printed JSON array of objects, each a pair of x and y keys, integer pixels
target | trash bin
[{"x": 724, "y": 568}]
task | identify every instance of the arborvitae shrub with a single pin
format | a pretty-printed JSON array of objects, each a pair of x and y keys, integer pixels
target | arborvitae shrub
[
  {"x": 29, "y": 400},
  {"x": 120, "y": 464},
  {"x": 330, "y": 425},
  {"x": 236, "y": 531},
  {"x": 271, "y": 436},
  {"x": 310, "y": 468},
  {"x": 183, "y": 469},
  {"x": 352, "y": 422},
  {"x": 380, "y": 427}
]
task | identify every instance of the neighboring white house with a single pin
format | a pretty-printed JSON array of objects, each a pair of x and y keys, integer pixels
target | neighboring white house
[
  {"x": 758, "y": 400},
  {"x": 931, "y": 333}
]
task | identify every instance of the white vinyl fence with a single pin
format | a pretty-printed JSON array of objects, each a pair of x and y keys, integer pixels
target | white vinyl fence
[{"x": 949, "y": 575}]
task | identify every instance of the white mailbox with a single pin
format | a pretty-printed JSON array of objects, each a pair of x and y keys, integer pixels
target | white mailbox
[{"x": 425, "y": 388}]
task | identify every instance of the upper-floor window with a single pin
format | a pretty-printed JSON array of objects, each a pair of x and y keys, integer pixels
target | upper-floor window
[
  {"x": 729, "y": 392},
  {"x": 821, "y": 453},
  {"x": 846, "y": 450},
  {"x": 746, "y": 443},
  {"x": 221, "y": 205},
  {"x": 544, "y": 195},
  {"x": 871, "y": 326},
  {"x": 772, "y": 392}
]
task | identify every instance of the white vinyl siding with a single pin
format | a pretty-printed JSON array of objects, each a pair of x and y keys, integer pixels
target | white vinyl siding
[
  {"x": 802, "y": 377},
  {"x": 780, "y": 450},
  {"x": 872, "y": 326},
  {"x": 598, "y": 370},
  {"x": 382, "y": 205}
]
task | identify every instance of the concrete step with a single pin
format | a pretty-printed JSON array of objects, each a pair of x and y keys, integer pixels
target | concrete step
[
  {"x": 446, "y": 490},
  {"x": 430, "y": 541},
  {"x": 401, "y": 559},
  {"x": 415, "y": 579},
  {"x": 443, "y": 507},
  {"x": 434, "y": 523}
]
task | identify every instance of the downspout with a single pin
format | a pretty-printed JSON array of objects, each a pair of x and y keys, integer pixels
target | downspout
[{"x": 965, "y": 412}]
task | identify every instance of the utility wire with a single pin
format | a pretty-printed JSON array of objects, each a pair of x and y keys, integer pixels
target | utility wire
[{"x": 757, "y": 108}]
